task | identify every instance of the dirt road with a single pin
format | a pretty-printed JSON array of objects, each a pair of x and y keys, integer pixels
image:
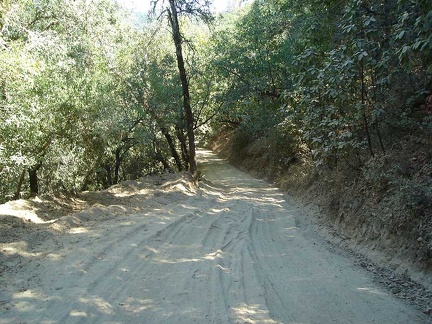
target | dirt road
[{"x": 230, "y": 252}]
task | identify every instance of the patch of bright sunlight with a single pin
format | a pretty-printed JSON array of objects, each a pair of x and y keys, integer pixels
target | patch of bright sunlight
[
  {"x": 78, "y": 230},
  {"x": 213, "y": 256},
  {"x": 122, "y": 194},
  {"x": 253, "y": 314},
  {"x": 25, "y": 294},
  {"x": 100, "y": 304},
  {"x": 23, "y": 300},
  {"x": 153, "y": 250},
  {"x": 247, "y": 195},
  {"x": 20, "y": 248},
  {"x": 135, "y": 305},
  {"x": 222, "y": 268},
  {"x": 372, "y": 291},
  {"x": 77, "y": 313},
  {"x": 23, "y": 210},
  {"x": 216, "y": 210},
  {"x": 210, "y": 256},
  {"x": 181, "y": 187},
  {"x": 174, "y": 261}
]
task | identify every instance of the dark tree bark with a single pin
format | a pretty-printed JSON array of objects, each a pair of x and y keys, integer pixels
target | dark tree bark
[
  {"x": 118, "y": 161},
  {"x": 172, "y": 147},
  {"x": 108, "y": 175},
  {"x": 165, "y": 132},
  {"x": 177, "y": 38},
  {"x": 33, "y": 178},
  {"x": 183, "y": 145}
]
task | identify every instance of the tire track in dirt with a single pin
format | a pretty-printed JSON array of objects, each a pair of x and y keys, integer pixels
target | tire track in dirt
[
  {"x": 229, "y": 253},
  {"x": 159, "y": 241}
]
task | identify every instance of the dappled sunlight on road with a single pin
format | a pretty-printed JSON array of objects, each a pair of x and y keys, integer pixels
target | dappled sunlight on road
[
  {"x": 135, "y": 305},
  {"x": 21, "y": 249},
  {"x": 372, "y": 290},
  {"x": 227, "y": 251},
  {"x": 78, "y": 230},
  {"x": 30, "y": 214},
  {"x": 77, "y": 313},
  {"x": 253, "y": 314},
  {"x": 99, "y": 303},
  {"x": 210, "y": 256}
]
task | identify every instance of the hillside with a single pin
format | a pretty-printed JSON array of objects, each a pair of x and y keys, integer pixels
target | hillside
[{"x": 383, "y": 212}]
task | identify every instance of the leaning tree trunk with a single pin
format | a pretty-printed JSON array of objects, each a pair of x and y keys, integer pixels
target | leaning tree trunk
[
  {"x": 185, "y": 85},
  {"x": 172, "y": 147}
]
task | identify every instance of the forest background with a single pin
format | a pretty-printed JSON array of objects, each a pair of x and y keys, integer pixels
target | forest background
[{"x": 331, "y": 100}]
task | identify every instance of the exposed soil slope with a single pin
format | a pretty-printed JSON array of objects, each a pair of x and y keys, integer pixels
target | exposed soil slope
[
  {"x": 382, "y": 210},
  {"x": 229, "y": 251}
]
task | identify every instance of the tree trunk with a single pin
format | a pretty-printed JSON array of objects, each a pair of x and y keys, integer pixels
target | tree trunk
[
  {"x": 173, "y": 150},
  {"x": 108, "y": 175},
  {"x": 185, "y": 85},
  {"x": 182, "y": 139},
  {"x": 34, "y": 182},
  {"x": 118, "y": 161}
]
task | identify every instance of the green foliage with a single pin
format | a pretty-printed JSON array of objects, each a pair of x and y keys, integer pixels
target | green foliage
[
  {"x": 65, "y": 69},
  {"x": 89, "y": 100},
  {"x": 349, "y": 84}
]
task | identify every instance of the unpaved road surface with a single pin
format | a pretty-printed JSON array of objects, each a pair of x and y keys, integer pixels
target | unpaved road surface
[{"x": 227, "y": 252}]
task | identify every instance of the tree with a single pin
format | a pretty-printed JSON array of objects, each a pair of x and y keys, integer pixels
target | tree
[
  {"x": 177, "y": 38},
  {"x": 64, "y": 71},
  {"x": 341, "y": 82},
  {"x": 199, "y": 10}
]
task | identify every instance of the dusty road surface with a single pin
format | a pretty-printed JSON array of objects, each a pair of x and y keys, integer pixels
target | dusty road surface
[{"x": 227, "y": 252}]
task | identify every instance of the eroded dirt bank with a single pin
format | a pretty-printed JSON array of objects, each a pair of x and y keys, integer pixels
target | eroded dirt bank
[{"x": 229, "y": 251}]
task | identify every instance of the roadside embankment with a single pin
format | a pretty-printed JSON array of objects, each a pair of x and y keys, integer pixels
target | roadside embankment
[{"x": 382, "y": 210}]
